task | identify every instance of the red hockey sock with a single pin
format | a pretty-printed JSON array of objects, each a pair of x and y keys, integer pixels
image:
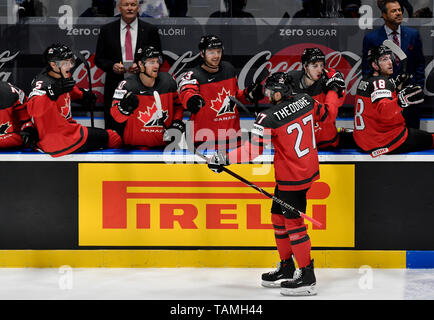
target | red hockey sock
[
  {"x": 115, "y": 140},
  {"x": 281, "y": 236},
  {"x": 300, "y": 242}
]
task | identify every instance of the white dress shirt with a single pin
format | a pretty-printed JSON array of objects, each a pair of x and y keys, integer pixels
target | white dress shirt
[
  {"x": 389, "y": 33},
  {"x": 133, "y": 29}
]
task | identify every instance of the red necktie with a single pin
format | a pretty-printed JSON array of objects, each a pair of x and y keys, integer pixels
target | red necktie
[
  {"x": 396, "y": 41},
  {"x": 128, "y": 45}
]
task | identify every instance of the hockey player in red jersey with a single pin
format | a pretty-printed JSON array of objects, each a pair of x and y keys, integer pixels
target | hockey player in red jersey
[
  {"x": 134, "y": 105},
  {"x": 327, "y": 86},
  {"x": 379, "y": 126},
  {"x": 49, "y": 106},
  {"x": 289, "y": 126},
  {"x": 205, "y": 90},
  {"x": 16, "y": 129}
]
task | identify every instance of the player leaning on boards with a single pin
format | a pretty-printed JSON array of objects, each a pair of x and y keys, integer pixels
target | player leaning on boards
[
  {"x": 289, "y": 126},
  {"x": 134, "y": 105},
  {"x": 49, "y": 106},
  {"x": 205, "y": 90},
  {"x": 379, "y": 126},
  {"x": 327, "y": 86},
  {"x": 16, "y": 128}
]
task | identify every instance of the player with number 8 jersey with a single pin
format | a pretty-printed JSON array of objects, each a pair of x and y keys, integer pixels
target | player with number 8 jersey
[
  {"x": 379, "y": 125},
  {"x": 376, "y": 96}
]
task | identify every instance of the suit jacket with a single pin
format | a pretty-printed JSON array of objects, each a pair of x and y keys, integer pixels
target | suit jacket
[
  {"x": 108, "y": 51},
  {"x": 411, "y": 44}
]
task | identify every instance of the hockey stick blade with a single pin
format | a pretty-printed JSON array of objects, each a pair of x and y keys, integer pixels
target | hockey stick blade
[
  {"x": 265, "y": 193},
  {"x": 159, "y": 108},
  {"x": 395, "y": 49},
  {"x": 398, "y": 52}
]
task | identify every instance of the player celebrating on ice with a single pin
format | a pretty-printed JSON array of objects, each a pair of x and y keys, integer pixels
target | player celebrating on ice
[
  {"x": 289, "y": 126},
  {"x": 379, "y": 126},
  {"x": 16, "y": 129},
  {"x": 135, "y": 106},
  {"x": 49, "y": 106},
  {"x": 327, "y": 86},
  {"x": 205, "y": 90}
]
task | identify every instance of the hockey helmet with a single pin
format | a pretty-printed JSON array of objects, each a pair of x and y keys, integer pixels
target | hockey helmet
[
  {"x": 210, "y": 42},
  {"x": 148, "y": 52},
  {"x": 58, "y": 52},
  {"x": 279, "y": 82},
  {"x": 375, "y": 53},
  {"x": 311, "y": 55}
]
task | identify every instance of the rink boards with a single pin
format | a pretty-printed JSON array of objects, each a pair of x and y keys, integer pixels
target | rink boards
[{"x": 147, "y": 209}]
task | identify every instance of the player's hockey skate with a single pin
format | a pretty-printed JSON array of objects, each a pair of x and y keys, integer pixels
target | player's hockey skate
[
  {"x": 285, "y": 271},
  {"x": 303, "y": 284}
]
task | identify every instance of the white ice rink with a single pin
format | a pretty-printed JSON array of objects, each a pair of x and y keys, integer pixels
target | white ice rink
[{"x": 207, "y": 284}]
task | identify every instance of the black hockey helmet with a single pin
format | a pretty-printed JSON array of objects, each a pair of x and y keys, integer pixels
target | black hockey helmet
[
  {"x": 148, "y": 52},
  {"x": 210, "y": 42},
  {"x": 279, "y": 82},
  {"x": 58, "y": 52},
  {"x": 310, "y": 55},
  {"x": 375, "y": 53}
]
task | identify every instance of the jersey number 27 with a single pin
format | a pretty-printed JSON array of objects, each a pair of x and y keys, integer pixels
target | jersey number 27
[{"x": 297, "y": 127}]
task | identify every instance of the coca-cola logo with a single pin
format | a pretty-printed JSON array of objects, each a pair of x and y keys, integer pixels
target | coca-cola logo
[
  {"x": 97, "y": 76},
  {"x": 289, "y": 59},
  {"x": 6, "y": 57}
]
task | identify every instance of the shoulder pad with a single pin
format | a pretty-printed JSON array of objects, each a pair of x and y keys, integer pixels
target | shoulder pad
[{"x": 37, "y": 92}]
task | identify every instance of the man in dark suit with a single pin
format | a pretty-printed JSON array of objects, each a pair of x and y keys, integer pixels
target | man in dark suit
[
  {"x": 117, "y": 44},
  {"x": 409, "y": 41}
]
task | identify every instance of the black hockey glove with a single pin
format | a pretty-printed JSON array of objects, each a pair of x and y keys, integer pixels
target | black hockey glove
[
  {"x": 175, "y": 131},
  {"x": 59, "y": 87},
  {"x": 336, "y": 83},
  {"x": 410, "y": 95},
  {"x": 402, "y": 80},
  {"x": 218, "y": 161},
  {"x": 128, "y": 104},
  {"x": 89, "y": 98},
  {"x": 254, "y": 93},
  {"x": 30, "y": 137},
  {"x": 195, "y": 103}
]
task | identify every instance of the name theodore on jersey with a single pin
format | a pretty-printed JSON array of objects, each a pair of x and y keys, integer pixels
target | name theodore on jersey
[{"x": 291, "y": 108}]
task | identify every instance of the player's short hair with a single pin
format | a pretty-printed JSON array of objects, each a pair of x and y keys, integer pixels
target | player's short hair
[{"x": 382, "y": 4}]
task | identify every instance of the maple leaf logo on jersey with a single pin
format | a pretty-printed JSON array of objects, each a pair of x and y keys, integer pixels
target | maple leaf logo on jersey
[
  {"x": 222, "y": 104},
  {"x": 4, "y": 128},
  {"x": 65, "y": 110},
  {"x": 149, "y": 117}
]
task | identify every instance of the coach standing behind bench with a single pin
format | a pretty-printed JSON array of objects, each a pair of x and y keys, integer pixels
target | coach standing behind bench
[{"x": 115, "y": 49}]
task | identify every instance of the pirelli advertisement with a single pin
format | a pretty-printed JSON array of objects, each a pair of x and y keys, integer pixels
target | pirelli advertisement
[
  {"x": 188, "y": 205},
  {"x": 65, "y": 205}
]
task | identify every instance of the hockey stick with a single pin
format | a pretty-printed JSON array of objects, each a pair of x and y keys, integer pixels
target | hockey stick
[
  {"x": 89, "y": 78},
  {"x": 261, "y": 77},
  {"x": 240, "y": 104},
  {"x": 398, "y": 52},
  {"x": 159, "y": 108},
  {"x": 265, "y": 193}
]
